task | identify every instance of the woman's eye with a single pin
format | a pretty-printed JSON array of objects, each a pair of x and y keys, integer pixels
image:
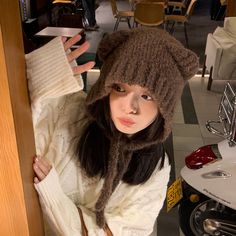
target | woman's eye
[
  {"x": 147, "y": 97},
  {"x": 118, "y": 88}
]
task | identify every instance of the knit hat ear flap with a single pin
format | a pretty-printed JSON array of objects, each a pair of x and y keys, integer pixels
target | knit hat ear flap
[
  {"x": 186, "y": 61},
  {"x": 111, "y": 42}
]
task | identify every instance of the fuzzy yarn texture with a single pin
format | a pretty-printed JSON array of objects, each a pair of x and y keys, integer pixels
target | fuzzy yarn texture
[{"x": 150, "y": 58}]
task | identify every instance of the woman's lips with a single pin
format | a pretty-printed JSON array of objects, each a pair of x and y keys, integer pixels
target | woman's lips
[{"x": 126, "y": 121}]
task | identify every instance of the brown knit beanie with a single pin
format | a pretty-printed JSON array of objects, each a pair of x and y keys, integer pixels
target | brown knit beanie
[{"x": 150, "y": 58}]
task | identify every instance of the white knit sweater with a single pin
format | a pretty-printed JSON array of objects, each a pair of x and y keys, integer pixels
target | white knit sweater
[{"x": 57, "y": 106}]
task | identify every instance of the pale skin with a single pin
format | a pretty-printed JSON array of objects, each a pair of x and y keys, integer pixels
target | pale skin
[{"x": 132, "y": 107}]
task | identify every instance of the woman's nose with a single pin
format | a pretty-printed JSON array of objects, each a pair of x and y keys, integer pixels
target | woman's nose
[{"x": 131, "y": 104}]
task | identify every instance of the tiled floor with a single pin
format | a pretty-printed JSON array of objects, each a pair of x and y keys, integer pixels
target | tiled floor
[{"x": 187, "y": 136}]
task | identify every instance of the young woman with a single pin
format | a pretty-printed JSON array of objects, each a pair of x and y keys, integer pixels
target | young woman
[{"x": 100, "y": 166}]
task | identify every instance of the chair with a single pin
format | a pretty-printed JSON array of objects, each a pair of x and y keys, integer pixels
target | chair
[
  {"x": 183, "y": 18},
  {"x": 121, "y": 16},
  {"x": 133, "y": 3},
  {"x": 220, "y": 53},
  {"x": 176, "y": 7},
  {"x": 149, "y": 14},
  {"x": 165, "y": 2},
  {"x": 68, "y": 13}
]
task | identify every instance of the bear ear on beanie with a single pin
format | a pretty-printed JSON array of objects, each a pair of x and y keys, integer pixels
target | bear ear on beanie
[
  {"x": 111, "y": 42},
  {"x": 186, "y": 60}
]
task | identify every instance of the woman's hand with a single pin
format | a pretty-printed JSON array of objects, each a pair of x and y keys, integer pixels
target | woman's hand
[
  {"x": 41, "y": 169},
  {"x": 76, "y": 53}
]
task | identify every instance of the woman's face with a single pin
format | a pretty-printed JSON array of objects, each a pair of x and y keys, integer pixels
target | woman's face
[{"x": 132, "y": 108}]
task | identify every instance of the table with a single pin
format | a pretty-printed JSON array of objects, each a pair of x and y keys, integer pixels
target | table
[
  {"x": 48, "y": 33},
  {"x": 59, "y": 31}
]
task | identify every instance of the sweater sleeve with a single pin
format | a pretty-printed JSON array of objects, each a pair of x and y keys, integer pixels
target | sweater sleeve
[
  {"x": 135, "y": 216},
  {"x": 50, "y": 75},
  {"x": 60, "y": 211}
]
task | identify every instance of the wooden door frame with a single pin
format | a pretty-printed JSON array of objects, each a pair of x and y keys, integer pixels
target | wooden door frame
[{"x": 19, "y": 206}]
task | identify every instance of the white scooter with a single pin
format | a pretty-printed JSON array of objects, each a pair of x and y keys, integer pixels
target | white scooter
[{"x": 209, "y": 178}]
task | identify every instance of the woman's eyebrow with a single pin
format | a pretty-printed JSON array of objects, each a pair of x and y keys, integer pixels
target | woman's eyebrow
[{"x": 145, "y": 90}]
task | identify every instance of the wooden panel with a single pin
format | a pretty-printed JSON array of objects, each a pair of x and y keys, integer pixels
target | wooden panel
[
  {"x": 231, "y": 8},
  {"x": 11, "y": 195},
  {"x": 20, "y": 209}
]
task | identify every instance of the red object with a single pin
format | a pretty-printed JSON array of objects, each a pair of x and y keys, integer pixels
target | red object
[{"x": 200, "y": 157}]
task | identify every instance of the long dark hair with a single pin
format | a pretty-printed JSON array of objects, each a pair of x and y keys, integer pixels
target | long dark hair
[{"x": 93, "y": 147}]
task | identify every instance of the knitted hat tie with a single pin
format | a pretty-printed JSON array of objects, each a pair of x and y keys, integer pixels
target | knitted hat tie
[{"x": 117, "y": 166}]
